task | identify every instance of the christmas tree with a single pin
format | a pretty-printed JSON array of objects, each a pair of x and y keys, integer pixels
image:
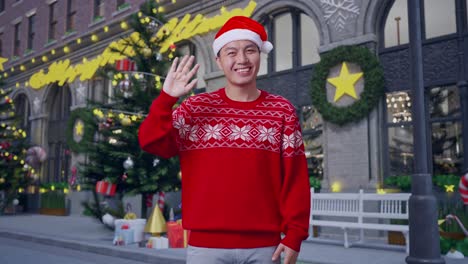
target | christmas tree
[
  {"x": 15, "y": 174},
  {"x": 113, "y": 153}
]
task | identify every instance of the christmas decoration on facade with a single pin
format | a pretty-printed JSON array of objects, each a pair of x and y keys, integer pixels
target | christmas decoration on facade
[
  {"x": 373, "y": 87},
  {"x": 338, "y": 12}
]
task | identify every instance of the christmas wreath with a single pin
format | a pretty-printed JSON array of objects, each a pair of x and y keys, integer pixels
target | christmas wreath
[
  {"x": 80, "y": 129},
  {"x": 370, "y": 96}
]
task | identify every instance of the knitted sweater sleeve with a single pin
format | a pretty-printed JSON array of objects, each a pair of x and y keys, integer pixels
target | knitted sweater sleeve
[
  {"x": 295, "y": 192},
  {"x": 157, "y": 134}
]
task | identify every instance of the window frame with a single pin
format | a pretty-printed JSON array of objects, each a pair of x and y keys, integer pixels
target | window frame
[
  {"x": 31, "y": 31},
  {"x": 16, "y": 39},
  {"x": 268, "y": 22},
  {"x": 52, "y": 22},
  {"x": 70, "y": 20}
]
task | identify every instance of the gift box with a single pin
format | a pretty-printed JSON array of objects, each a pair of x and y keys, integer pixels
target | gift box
[
  {"x": 106, "y": 188},
  {"x": 178, "y": 237},
  {"x": 136, "y": 225},
  {"x": 125, "y": 65},
  {"x": 124, "y": 236},
  {"x": 158, "y": 242}
]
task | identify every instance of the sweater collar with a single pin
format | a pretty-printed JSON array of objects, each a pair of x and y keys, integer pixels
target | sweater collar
[{"x": 239, "y": 104}]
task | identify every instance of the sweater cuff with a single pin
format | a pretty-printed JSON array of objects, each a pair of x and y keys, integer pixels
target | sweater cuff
[
  {"x": 292, "y": 240},
  {"x": 164, "y": 101}
]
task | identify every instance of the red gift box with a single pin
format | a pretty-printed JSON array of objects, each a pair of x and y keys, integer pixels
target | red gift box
[
  {"x": 106, "y": 188},
  {"x": 178, "y": 237},
  {"x": 125, "y": 65}
]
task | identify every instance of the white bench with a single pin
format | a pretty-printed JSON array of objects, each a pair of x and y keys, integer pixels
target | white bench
[{"x": 359, "y": 211}]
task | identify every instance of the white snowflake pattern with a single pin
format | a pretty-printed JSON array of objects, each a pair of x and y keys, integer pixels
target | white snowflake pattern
[
  {"x": 240, "y": 132},
  {"x": 337, "y": 12},
  {"x": 193, "y": 133},
  {"x": 213, "y": 131},
  {"x": 289, "y": 141},
  {"x": 180, "y": 125},
  {"x": 267, "y": 134},
  {"x": 298, "y": 139}
]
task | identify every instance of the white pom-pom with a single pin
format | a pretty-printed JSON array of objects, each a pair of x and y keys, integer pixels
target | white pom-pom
[
  {"x": 266, "y": 47},
  {"x": 108, "y": 220},
  {"x": 454, "y": 254}
]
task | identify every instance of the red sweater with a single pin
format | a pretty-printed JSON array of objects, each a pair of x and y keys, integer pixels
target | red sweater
[{"x": 244, "y": 172}]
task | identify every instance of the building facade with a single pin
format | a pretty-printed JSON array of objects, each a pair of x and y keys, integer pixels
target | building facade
[{"x": 35, "y": 34}]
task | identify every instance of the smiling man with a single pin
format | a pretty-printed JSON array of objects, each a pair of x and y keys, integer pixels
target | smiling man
[{"x": 245, "y": 188}]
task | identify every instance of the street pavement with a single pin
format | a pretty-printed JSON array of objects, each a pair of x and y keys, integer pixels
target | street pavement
[{"x": 88, "y": 235}]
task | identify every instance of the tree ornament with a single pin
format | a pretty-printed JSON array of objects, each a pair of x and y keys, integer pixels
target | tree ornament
[
  {"x": 124, "y": 176},
  {"x": 146, "y": 52},
  {"x": 155, "y": 162},
  {"x": 35, "y": 156},
  {"x": 128, "y": 163},
  {"x": 2, "y": 180},
  {"x": 126, "y": 121},
  {"x": 15, "y": 202}
]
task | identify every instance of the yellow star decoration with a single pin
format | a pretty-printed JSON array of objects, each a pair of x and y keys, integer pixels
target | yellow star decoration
[
  {"x": 449, "y": 188},
  {"x": 344, "y": 83},
  {"x": 79, "y": 128},
  {"x": 2, "y": 60}
]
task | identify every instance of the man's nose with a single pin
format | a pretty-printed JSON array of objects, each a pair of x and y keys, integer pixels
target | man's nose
[{"x": 242, "y": 57}]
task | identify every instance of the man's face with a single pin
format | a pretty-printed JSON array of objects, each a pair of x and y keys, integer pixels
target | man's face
[{"x": 240, "y": 61}]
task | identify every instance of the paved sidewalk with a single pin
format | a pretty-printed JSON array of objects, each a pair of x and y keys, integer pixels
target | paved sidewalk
[{"x": 87, "y": 234}]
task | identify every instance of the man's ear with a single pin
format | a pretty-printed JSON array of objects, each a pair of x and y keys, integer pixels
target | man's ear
[{"x": 218, "y": 63}]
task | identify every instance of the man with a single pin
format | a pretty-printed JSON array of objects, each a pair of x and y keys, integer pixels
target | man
[{"x": 244, "y": 172}]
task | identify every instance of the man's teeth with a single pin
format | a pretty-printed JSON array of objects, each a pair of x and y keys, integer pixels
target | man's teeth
[{"x": 243, "y": 70}]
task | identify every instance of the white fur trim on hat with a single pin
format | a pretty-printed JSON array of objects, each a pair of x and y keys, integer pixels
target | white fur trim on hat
[{"x": 241, "y": 34}]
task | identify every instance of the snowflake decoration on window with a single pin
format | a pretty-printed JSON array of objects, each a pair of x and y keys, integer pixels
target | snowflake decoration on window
[{"x": 337, "y": 12}]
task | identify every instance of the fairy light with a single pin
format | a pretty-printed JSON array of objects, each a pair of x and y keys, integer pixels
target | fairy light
[
  {"x": 44, "y": 58},
  {"x": 94, "y": 37},
  {"x": 33, "y": 60},
  {"x": 124, "y": 25},
  {"x": 78, "y": 41},
  {"x": 66, "y": 49},
  {"x": 22, "y": 68},
  {"x": 106, "y": 29},
  {"x": 52, "y": 52},
  {"x": 336, "y": 187}
]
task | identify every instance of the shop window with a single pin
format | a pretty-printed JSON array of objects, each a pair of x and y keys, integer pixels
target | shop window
[
  {"x": 2, "y": 5},
  {"x": 396, "y": 25},
  {"x": 58, "y": 156},
  {"x": 188, "y": 48},
  {"x": 312, "y": 130},
  {"x": 400, "y": 133},
  {"x": 400, "y": 150},
  {"x": 446, "y": 130},
  {"x": 440, "y": 18},
  {"x": 295, "y": 38}
]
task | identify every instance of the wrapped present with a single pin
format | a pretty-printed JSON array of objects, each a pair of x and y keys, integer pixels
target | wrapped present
[
  {"x": 125, "y": 65},
  {"x": 178, "y": 237},
  {"x": 106, "y": 188},
  {"x": 124, "y": 235},
  {"x": 136, "y": 225},
  {"x": 158, "y": 242}
]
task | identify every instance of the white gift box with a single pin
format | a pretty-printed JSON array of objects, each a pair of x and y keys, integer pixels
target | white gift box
[
  {"x": 159, "y": 242},
  {"x": 137, "y": 225}
]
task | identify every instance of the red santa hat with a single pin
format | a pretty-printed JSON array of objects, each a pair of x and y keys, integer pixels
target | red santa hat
[{"x": 242, "y": 28}]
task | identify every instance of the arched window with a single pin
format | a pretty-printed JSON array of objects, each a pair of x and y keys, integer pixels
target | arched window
[
  {"x": 58, "y": 154},
  {"x": 295, "y": 38},
  {"x": 438, "y": 18}
]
